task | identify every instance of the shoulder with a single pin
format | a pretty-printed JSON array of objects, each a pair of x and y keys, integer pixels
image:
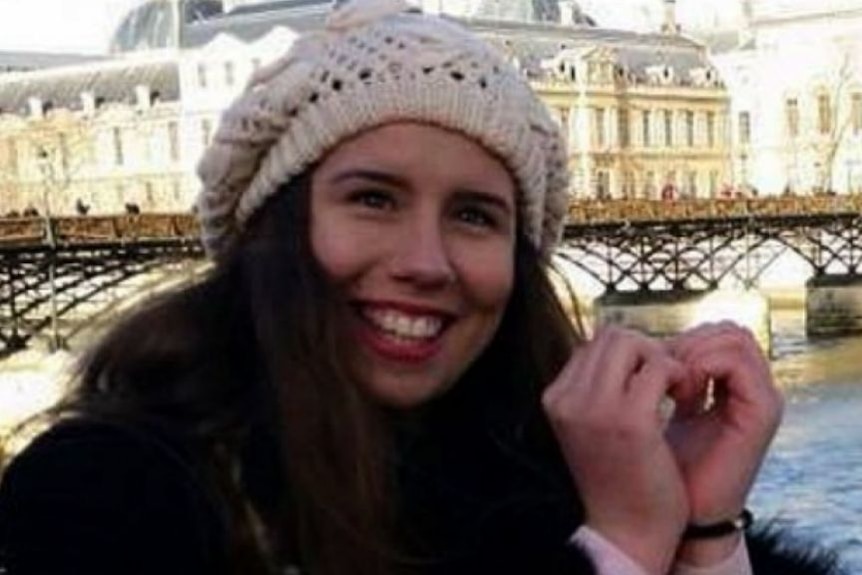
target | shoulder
[{"x": 96, "y": 497}]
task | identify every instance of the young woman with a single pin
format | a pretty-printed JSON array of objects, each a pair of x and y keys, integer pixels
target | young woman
[{"x": 377, "y": 377}]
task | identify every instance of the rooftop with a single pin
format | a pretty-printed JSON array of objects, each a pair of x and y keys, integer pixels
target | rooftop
[
  {"x": 22, "y": 61},
  {"x": 109, "y": 82}
]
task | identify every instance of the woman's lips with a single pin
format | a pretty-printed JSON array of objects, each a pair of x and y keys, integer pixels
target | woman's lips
[{"x": 402, "y": 333}]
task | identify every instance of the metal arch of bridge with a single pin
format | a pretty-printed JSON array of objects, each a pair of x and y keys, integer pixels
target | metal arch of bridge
[
  {"x": 52, "y": 267},
  {"x": 49, "y": 267},
  {"x": 696, "y": 245}
]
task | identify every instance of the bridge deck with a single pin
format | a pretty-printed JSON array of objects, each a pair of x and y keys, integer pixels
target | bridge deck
[
  {"x": 83, "y": 230},
  {"x": 595, "y": 212},
  {"x": 86, "y": 230}
]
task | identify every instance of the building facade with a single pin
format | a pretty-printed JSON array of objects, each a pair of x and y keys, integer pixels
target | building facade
[
  {"x": 640, "y": 126},
  {"x": 93, "y": 138},
  {"x": 795, "y": 78},
  {"x": 645, "y": 114}
]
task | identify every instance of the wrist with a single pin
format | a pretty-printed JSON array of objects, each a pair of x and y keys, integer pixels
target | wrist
[
  {"x": 715, "y": 529},
  {"x": 708, "y": 552},
  {"x": 655, "y": 553},
  {"x": 705, "y": 544}
]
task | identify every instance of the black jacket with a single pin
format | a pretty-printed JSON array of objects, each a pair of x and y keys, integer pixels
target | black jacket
[{"x": 96, "y": 498}]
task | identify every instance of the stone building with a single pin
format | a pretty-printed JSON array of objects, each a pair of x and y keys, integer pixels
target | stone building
[
  {"x": 795, "y": 77},
  {"x": 644, "y": 113},
  {"x": 97, "y": 136}
]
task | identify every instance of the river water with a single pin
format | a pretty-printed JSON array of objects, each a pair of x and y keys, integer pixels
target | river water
[{"x": 811, "y": 481}]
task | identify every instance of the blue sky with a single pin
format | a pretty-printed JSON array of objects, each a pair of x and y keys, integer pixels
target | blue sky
[{"x": 86, "y": 25}]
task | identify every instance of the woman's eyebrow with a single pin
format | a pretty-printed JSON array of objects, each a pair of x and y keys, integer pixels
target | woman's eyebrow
[
  {"x": 368, "y": 174},
  {"x": 493, "y": 199}
]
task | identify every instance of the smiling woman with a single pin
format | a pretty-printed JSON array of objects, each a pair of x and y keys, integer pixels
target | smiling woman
[
  {"x": 377, "y": 377},
  {"x": 415, "y": 225}
]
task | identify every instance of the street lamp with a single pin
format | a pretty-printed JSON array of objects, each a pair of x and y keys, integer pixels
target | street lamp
[
  {"x": 46, "y": 167},
  {"x": 852, "y": 165}
]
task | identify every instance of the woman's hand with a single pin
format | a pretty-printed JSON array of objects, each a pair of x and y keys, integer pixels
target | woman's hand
[
  {"x": 726, "y": 417},
  {"x": 605, "y": 411}
]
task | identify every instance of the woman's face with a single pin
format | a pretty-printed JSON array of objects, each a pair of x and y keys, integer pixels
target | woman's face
[{"x": 416, "y": 226}]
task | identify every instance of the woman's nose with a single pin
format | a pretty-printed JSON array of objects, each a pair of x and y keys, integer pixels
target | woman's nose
[{"x": 422, "y": 255}]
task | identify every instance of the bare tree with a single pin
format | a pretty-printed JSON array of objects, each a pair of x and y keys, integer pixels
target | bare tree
[
  {"x": 40, "y": 158},
  {"x": 834, "y": 118}
]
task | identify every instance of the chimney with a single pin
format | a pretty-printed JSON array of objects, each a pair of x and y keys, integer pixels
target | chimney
[
  {"x": 37, "y": 107},
  {"x": 567, "y": 12},
  {"x": 143, "y": 97},
  {"x": 177, "y": 23},
  {"x": 88, "y": 102},
  {"x": 746, "y": 34},
  {"x": 670, "y": 25}
]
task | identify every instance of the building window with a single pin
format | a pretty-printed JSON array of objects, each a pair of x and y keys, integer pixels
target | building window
[
  {"x": 649, "y": 186},
  {"x": 670, "y": 179},
  {"x": 600, "y": 139},
  {"x": 12, "y": 156},
  {"x": 824, "y": 114},
  {"x": 710, "y": 129},
  {"x": 229, "y": 75},
  {"x": 668, "y": 128},
  {"x": 646, "y": 129},
  {"x": 564, "y": 122},
  {"x": 623, "y": 127},
  {"x": 629, "y": 185},
  {"x": 691, "y": 185},
  {"x": 744, "y": 128},
  {"x": 174, "y": 141},
  {"x": 689, "y": 128},
  {"x": 206, "y": 132},
  {"x": 202, "y": 75},
  {"x": 856, "y": 111},
  {"x": 150, "y": 195},
  {"x": 603, "y": 185},
  {"x": 118, "y": 146},
  {"x": 713, "y": 183},
  {"x": 792, "y": 112}
]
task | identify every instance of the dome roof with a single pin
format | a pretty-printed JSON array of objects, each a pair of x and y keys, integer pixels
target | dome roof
[
  {"x": 525, "y": 11},
  {"x": 151, "y": 24}
]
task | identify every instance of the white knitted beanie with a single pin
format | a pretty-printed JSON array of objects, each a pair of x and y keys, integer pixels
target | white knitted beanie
[{"x": 378, "y": 62}]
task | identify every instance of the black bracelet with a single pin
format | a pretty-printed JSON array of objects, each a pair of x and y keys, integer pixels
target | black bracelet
[{"x": 720, "y": 529}]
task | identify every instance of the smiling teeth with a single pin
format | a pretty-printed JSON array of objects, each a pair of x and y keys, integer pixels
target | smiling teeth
[{"x": 405, "y": 326}]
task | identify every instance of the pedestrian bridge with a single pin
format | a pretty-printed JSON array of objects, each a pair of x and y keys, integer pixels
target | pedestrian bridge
[{"x": 56, "y": 272}]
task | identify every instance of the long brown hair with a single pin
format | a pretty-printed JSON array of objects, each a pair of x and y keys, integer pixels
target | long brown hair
[{"x": 249, "y": 363}]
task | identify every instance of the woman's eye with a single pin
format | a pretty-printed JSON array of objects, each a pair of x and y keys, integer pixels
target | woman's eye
[
  {"x": 374, "y": 199},
  {"x": 476, "y": 217}
]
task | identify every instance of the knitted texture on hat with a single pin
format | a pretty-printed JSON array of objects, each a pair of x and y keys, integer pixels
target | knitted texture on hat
[{"x": 378, "y": 62}]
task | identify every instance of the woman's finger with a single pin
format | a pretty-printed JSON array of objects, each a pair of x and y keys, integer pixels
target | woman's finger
[
  {"x": 654, "y": 384},
  {"x": 623, "y": 354}
]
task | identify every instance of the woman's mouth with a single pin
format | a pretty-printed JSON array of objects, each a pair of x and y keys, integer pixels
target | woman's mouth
[{"x": 401, "y": 335}]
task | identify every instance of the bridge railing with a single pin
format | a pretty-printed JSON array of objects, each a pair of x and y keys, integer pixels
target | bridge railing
[
  {"x": 609, "y": 211},
  {"x": 21, "y": 231},
  {"x": 97, "y": 229},
  {"x": 170, "y": 226}
]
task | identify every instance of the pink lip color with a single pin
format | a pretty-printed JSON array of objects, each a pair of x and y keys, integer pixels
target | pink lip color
[{"x": 414, "y": 352}]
